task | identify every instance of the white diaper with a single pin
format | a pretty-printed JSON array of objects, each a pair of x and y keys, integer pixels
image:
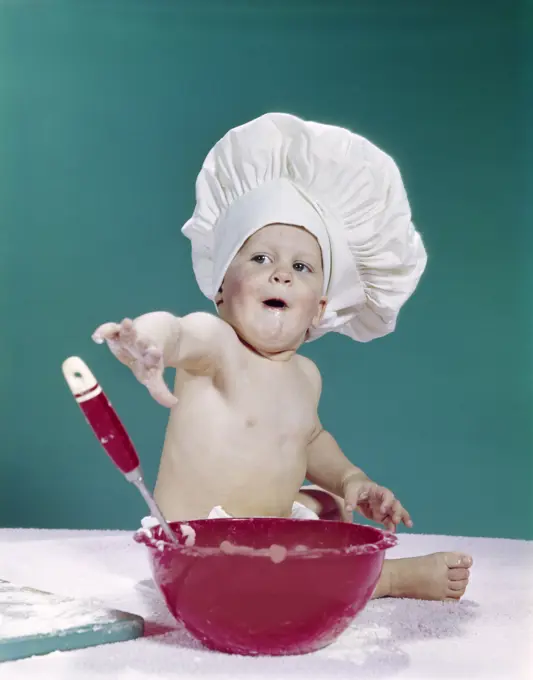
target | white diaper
[{"x": 299, "y": 511}]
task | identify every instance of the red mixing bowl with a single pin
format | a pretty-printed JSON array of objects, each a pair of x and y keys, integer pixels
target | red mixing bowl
[{"x": 267, "y": 586}]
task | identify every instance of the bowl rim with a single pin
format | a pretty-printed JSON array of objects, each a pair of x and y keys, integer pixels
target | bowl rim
[{"x": 156, "y": 541}]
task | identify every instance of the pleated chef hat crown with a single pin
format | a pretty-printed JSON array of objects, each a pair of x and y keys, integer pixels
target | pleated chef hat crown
[{"x": 344, "y": 190}]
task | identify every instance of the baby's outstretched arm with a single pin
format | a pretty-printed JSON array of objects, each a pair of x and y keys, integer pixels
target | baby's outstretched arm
[{"x": 152, "y": 342}]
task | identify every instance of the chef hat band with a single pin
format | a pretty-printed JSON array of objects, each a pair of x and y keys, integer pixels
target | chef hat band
[{"x": 275, "y": 202}]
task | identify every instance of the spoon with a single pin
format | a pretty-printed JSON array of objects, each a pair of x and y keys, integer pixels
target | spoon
[{"x": 110, "y": 432}]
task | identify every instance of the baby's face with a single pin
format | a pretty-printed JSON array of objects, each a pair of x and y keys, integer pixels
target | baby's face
[{"x": 272, "y": 290}]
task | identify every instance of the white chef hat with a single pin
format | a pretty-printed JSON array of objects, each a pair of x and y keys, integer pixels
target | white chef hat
[{"x": 344, "y": 190}]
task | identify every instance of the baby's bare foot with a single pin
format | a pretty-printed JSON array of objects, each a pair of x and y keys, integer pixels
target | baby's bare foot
[{"x": 440, "y": 576}]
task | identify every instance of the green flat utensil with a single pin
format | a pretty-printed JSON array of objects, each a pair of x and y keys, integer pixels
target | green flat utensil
[{"x": 34, "y": 622}]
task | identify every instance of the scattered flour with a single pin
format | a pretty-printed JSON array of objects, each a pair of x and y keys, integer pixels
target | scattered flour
[
  {"x": 277, "y": 553},
  {"x": 149, "y": 523},
  {"x": 189, "y": 534},
  {"x": 229, "y": 549}
]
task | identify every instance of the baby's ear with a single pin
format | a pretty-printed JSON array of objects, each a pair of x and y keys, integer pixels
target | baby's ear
[{"x": 320, "y": 312}]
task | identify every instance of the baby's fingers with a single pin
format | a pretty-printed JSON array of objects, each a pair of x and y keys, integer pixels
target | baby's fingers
[
  {"x": 398, "y": 514},
  {"x": 127, "y": 332},
  {"x": 389, "y": 524},
  {"x": 107, "y": 331},
  {"x": 152, "y": 358},
  {"x": 387, "y": 499},
  {"x": 406, "y": 518},
  {"x": 158, "y": 389},
  {"x": 150, "y": 372}
]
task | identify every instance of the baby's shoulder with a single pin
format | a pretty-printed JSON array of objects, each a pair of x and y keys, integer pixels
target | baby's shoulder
[
  {"x": 204, "y": 325},
  {"x": 310, "y": 370},
  {"x": 213, "y": 339}
]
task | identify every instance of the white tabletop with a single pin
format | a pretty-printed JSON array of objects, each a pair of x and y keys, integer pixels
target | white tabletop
[{"x": 489, "y": 634}]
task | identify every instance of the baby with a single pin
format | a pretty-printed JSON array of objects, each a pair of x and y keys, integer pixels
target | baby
[{"x": 244, "y": 432}]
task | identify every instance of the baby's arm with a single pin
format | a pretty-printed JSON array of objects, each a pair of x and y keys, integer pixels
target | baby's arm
[
  {"x": 329, "y": 468},
  {"x": 155, "y": 341}
]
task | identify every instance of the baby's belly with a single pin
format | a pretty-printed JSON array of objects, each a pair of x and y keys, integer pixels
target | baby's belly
[{"x": 246, "y": 483}]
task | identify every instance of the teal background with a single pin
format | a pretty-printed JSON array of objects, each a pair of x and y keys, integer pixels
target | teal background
[{"x": 107, "y": 110}]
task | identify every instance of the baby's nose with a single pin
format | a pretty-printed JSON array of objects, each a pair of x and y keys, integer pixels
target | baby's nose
[{"x": 282, "y": 277}]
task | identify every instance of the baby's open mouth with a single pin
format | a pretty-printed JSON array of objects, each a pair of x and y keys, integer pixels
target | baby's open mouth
[{"x": 275, "y": 303}]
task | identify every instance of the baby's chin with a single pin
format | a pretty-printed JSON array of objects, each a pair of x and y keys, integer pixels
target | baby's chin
[
  {"x": 271, "y": 343},
  {"x": 268, "y": 331}
]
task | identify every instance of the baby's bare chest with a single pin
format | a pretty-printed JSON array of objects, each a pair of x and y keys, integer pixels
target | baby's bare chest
[{"x": 277, "y": 402}]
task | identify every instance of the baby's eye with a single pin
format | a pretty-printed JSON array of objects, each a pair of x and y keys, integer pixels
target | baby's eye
[
  {"x": 301, "y": 267},
  {"x": 260, "y": 259}
]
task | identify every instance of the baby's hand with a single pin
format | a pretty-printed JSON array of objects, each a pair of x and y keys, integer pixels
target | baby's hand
[
  {"x": 137, "y": 351},
  {"x": 376, "y": 503}
]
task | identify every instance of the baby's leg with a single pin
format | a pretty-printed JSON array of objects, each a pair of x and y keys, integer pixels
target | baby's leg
[{"x": 439, "y": 576}]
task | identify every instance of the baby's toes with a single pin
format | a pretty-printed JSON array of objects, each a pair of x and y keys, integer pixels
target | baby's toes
[
  {"x": 456, "y": 560},
  {"x": 456, "y": 589},
  {"x": 458, "y": 574}
]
